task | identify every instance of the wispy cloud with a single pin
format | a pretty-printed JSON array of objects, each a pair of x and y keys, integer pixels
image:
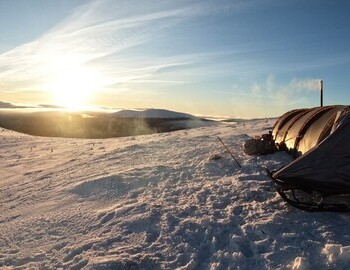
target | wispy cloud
[
  {"x": 113, "y": 46},
  {"x": 96, "y": 40},
  {"x": 272, "y": 92}
]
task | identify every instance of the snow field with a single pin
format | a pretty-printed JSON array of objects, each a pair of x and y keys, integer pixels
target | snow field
[{"x": 156, "y": 202}]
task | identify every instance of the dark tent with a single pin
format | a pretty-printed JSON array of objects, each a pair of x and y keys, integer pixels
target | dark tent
[{"x": 319, "y": 177}]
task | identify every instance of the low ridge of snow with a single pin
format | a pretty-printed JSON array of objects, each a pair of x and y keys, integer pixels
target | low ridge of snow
[
  {"x": 152, "y": 113},
  {"x": 159, "y": 201}
]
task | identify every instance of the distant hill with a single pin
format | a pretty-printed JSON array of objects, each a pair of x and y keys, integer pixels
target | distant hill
[
  {"x": 50, "y": 106},
  {"x": 153, "y": 113},
  {"x": 7, "y": 105},
  {"x": 241, "y": 120},
  {"x": 96, "y": 124}
]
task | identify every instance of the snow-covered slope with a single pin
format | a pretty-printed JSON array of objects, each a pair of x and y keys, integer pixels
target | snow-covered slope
[
  {"x": 156, "y": 202},
  {"x": 152, "y": 113}
]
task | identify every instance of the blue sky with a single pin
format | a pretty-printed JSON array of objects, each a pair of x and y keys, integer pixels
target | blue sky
[{"x": 237, "y": 58}]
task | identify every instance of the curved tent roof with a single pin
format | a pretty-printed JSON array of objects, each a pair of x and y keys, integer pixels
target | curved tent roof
[{"x": 302, "y": 129}]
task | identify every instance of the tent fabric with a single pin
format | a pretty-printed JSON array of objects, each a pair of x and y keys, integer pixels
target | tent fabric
[
  {"x": 300, "y": 130},
  {"x": 321, "y": 128},
  {"x": 323, "y": 164},
  {"x": 283, "y": 119},
  {"x": 282, "y": 127}
]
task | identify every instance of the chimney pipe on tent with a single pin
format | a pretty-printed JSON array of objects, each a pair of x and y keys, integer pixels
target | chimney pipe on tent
[{"x": 321, "y": 93}]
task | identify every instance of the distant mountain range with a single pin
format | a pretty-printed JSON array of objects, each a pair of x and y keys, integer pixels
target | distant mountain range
[
  {"x": 7, "y": 105},
  {"x": 96, "y": 124},
  {"x": 144, "y": 114},
  {"x": 153, "y": 113}
]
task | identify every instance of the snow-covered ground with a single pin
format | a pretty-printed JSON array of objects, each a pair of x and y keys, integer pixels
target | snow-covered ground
[{"x": 156, "y": 202}]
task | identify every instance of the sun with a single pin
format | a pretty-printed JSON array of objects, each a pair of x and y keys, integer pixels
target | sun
[{"x": 73, "y": 87}]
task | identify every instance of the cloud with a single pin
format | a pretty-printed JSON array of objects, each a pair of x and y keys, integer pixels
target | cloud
[
  {"x": 273, "y": 93},
  {"x": 112, "y": 43},
  {"x": 96, "y": 39}
]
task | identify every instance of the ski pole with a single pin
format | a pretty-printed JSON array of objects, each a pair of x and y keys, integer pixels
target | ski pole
[{"x": 228, "y": 150}]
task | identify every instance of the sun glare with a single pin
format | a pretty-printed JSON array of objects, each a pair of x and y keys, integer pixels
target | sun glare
[{"x": 72, "y": 88}]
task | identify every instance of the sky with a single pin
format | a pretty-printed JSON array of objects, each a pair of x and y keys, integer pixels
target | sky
[{"x": 233, "y": 58}]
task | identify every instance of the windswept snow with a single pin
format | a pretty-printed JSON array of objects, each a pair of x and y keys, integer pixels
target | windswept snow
[{"x": 159, "y": 201}]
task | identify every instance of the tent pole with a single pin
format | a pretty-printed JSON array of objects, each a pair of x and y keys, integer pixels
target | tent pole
[{"x": 321, "y": 93}]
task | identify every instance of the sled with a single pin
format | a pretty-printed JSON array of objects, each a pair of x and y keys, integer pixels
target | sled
[{"x": 311, "y": 200}]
